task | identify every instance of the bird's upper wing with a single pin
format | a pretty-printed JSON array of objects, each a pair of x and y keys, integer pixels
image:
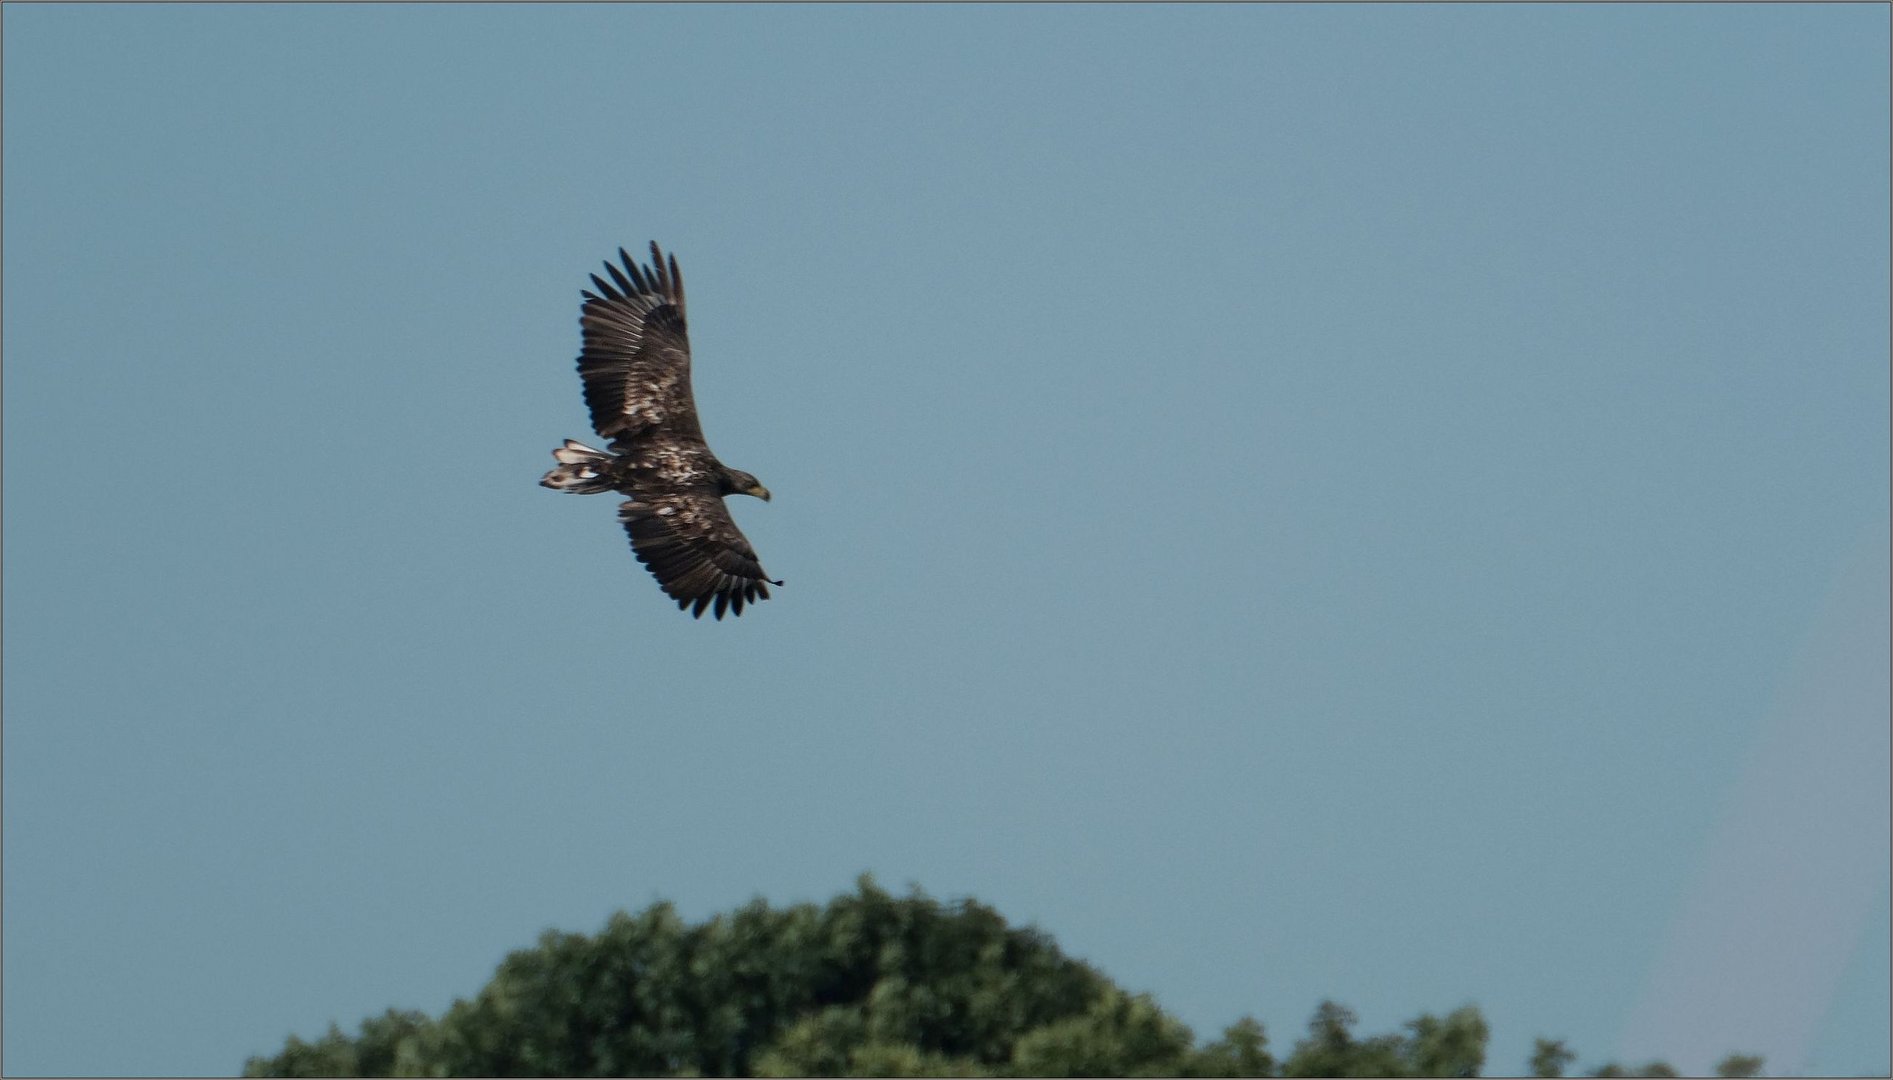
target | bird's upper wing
[
  {"x": 696, "y": 552},
  {"x": 635, "y": 361}
]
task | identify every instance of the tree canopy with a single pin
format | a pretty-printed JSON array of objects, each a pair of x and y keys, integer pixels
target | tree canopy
[{"x": 868, "y": 985}]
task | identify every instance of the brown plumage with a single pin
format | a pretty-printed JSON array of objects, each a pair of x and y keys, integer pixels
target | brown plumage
[{"x": 635, "y": 364}]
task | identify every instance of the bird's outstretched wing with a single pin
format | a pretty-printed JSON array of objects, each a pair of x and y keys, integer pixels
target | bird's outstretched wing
[
  {"x": 694, "y": 549},
  {"x": 635, "y": 359}
]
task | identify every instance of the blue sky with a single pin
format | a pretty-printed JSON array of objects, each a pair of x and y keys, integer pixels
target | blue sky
[{"x": 1386, "y": 504}]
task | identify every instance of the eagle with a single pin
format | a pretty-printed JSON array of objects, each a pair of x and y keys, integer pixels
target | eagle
[{"x": 635, "y": 365}]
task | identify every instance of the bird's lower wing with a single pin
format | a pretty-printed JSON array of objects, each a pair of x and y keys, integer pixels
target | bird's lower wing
[{"x": 692, "y": 546}]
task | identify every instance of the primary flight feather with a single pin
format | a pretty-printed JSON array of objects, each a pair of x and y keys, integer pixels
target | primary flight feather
[{"x": 635, "y": 364}]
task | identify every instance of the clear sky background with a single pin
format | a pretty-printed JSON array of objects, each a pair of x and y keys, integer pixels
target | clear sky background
[{"x": 1386, "y": 504}]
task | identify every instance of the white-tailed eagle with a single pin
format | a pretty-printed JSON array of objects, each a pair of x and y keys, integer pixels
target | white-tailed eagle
[{"x": 635, "y": 363}]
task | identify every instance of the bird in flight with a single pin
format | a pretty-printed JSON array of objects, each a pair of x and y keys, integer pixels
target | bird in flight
[{"x": 635, "y": 364}]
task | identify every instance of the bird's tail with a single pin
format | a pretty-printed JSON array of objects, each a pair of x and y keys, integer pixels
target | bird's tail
[{"x": 582, "y": 470}]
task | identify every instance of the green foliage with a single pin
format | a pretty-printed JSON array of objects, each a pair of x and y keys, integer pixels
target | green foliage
[
  {"x": 868, "y": 985},
  {"x": 1331, "y": 1049},
  {"x": 837, "y": 1042},
  {"x": 1119, "y": 1035},
  {"x": 1242, "y": 1051},
  {"x": 1550, "y": 1058},
  {"x": 1452, "y": 1046},
  {"x": 1654, "y": 1068},
  {"x": 869, "y": 982},
  {"x": 392, "y": 1044}
]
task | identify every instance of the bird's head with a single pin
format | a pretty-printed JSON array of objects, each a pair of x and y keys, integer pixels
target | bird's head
[{"x": 738, "y": 482}]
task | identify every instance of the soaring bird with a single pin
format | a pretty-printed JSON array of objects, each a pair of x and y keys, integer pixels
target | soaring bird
[{"x": 635, "y": 364}]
